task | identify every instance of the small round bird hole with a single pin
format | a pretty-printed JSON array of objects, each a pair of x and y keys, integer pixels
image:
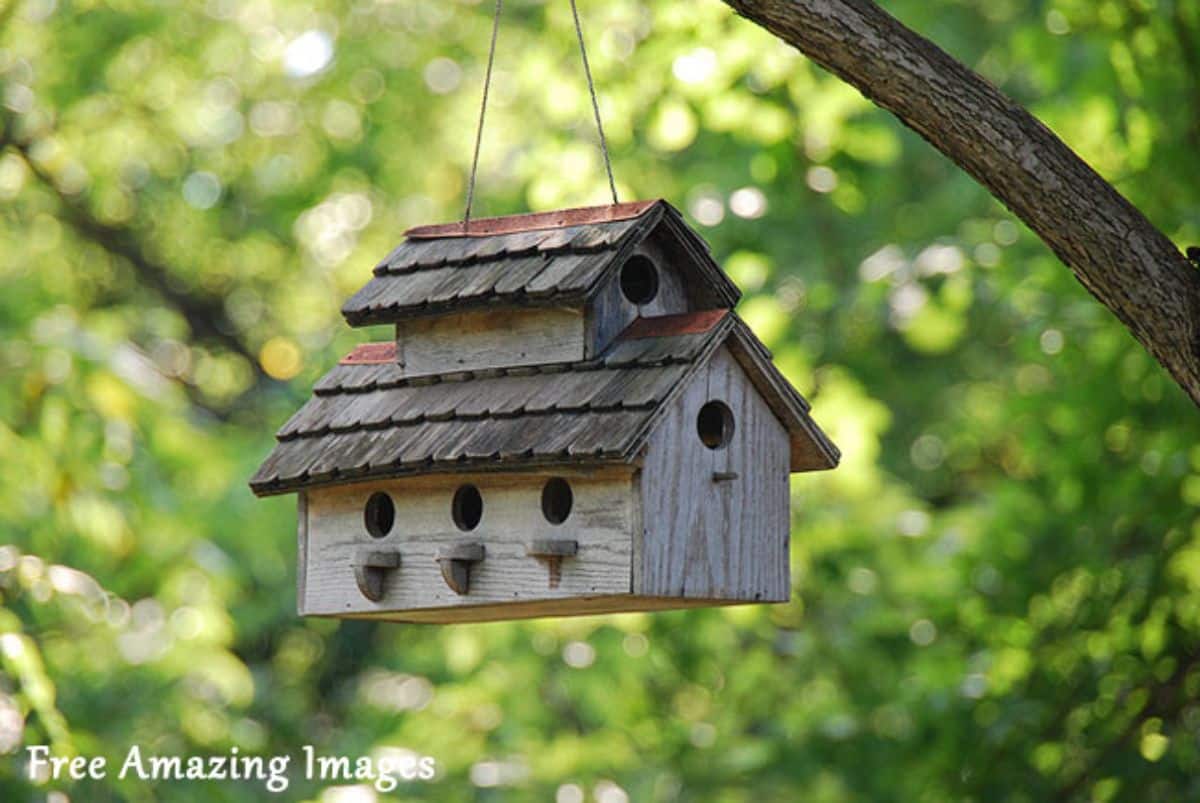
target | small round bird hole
[
  {"x": 379, "y": 515},
  {"x": 557, "y": 500},
  {"x": 467, "y": 507},
  {"x": 639, "y": 280},
  {"x": 715, "y": 425}
]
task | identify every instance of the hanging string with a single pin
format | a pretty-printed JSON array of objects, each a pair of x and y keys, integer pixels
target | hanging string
[
  {"x": 487, "y": 85},
  {"x": 587, "y": 69}
]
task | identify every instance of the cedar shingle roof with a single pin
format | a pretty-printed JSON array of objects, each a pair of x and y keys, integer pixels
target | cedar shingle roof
[
  {"x": 367, "y": 420},
  {"x": 545, "y": 259}
]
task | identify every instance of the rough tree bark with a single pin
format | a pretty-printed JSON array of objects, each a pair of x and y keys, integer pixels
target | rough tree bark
[{"x": 1114, "y": 251}]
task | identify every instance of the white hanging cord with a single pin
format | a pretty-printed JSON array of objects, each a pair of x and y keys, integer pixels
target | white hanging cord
[{"x": 487, "y": 85}]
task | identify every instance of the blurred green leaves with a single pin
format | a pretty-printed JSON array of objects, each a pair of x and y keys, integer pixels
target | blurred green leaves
[{"x": 997, "y": 594}]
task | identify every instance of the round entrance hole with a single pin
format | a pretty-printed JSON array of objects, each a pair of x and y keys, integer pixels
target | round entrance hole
[
  {"x": 467, "y": 507},
  {"x": 557, "y": 500},
  {"x": 714, "y": 424},
  {"x": 639, "y": 280},
  {"x": 379, "y": 515}
]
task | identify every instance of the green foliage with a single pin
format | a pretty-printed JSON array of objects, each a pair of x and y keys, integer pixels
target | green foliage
[{"x": 998, "y": 594}]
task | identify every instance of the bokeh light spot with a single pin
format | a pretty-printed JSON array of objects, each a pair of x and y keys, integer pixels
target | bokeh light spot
[
  {"x": 695, "y": 67},
  {"x": 202, "y": 190},
  {"x": 443, "y": 75},
  {"x": 821, "y": 179},
  {"x": 308, "y": 54},
  {"x": 748, "y": 202},
  {"x": 280, "y": 358}
]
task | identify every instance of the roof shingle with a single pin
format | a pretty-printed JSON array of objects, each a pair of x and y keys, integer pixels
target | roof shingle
[{"x": 367, "y": 419}]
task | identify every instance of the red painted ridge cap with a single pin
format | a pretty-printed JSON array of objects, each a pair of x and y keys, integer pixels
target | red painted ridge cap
[
  {"x": 687, "y": 323},
  {"x": 371, "y": 354},
  {"x": 537, "y": 221}
]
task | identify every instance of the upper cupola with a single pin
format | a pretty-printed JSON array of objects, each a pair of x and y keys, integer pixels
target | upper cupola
[{"x": 536, "y": 289}]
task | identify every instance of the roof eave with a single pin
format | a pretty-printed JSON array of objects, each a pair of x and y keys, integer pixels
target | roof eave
[
  {"x": 811, "y": 448},
  {"x": 628, "y": 451},
  {"x": 717, "y": 335},
  {"x": 726, "y": 292},
  {"x": 390, "y": 316},
  {"x": 263, "y": 489}
]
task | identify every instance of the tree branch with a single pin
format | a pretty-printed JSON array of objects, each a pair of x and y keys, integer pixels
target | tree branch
[
  {"x": 1191, "y": 57},
  {"x": 205, "y": 316},
  {"x": 1114, "y": 251},
  {"x": 1165, "y": 700}
]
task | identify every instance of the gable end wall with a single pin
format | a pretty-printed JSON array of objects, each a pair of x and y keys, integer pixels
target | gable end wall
[
  {"x": 610, "y": 312},
  {"x": 711, "y": 539}
]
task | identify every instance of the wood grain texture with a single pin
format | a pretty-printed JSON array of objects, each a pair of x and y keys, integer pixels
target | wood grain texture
[
  {"x": 490, "y": 339},
  {"x": 301, "y": 550},
  {"x": 707, "y": 286},
  {"x": 723, "y": 539},
  {"x": 607, "y": 315},
  {"x": 1114, "y": 251},
  {"x": 601, "y": 522}
]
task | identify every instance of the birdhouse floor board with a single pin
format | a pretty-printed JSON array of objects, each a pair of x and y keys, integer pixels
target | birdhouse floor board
[{"x": 580, "y": 606}]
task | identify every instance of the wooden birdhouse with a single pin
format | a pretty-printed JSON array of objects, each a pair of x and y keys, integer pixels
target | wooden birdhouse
[{"x": 571, "y": 419}]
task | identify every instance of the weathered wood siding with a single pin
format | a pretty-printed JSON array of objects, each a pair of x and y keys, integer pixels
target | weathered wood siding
[
  {"x": 716, "y": 538},
  {"x": 603, "y": 519},
  {"x": 490, "y": 339},
  {"x": 302, "y": 550}
]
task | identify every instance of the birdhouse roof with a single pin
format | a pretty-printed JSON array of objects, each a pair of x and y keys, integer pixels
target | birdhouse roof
[
  {"x": 366, "y": 420},
  {"x": 546, "y": 259}
]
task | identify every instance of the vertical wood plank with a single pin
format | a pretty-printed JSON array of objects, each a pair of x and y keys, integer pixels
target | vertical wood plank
[
  {"x": 301, "y": 552},
  {"x": 400, "y": 361},
  {"x": 638, "y": 545},
  {"x": 608, "y": 314}
]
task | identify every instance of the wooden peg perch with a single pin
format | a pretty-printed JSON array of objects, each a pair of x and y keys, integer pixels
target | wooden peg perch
[
  {"x": 551, "y": 552},
  {"x": 371, "y": 568},
  {"x": 456, "y": 561}
]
